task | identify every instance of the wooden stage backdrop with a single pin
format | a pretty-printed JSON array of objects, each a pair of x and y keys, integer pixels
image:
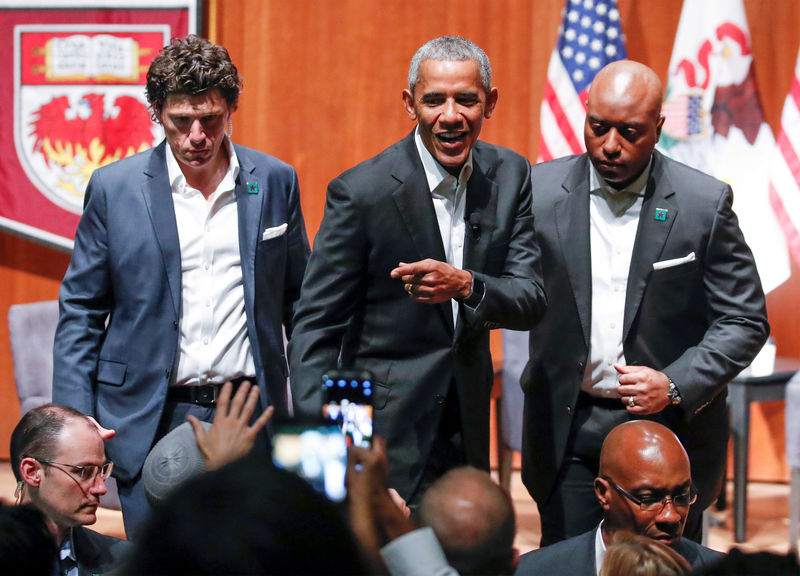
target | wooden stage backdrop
[{"x": 323, "y": 80}]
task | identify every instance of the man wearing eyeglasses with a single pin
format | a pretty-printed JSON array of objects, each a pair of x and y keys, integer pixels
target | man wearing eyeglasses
[
  {"x": 645, "y": 487},
  {"x": 59, "y": 462}
]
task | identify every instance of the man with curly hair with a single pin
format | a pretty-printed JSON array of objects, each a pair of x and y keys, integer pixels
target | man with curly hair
[{"x": 187, "y": 264}]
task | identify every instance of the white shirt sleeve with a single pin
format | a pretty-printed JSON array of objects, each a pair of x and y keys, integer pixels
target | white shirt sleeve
[{"x": 416, "y": 553}]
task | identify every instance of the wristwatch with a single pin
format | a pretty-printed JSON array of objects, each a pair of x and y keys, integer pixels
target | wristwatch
[{"x": 673, "y": 394}]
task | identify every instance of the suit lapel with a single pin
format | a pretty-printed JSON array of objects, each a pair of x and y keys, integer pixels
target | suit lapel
[
  {"x": 481, "y": 201},
  {"x": 413, "y": 200},
  {"x": 248, "y": 206},
  {"x": 651, "y": 235},
  {"x": 158, "y": 198},
  {"x": 480, "y": 209},
  {"x": 572, "y": 225}
]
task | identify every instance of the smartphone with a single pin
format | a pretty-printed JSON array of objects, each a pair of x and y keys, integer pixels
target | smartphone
[
  {"x": 348, "y": 403},
  {"x": 316, "y": 452}
]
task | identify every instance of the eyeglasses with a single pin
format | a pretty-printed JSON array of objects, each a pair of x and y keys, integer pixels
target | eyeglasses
[
  {"x": 684, "y": 498},
  {"x": 82, "y": 474}
]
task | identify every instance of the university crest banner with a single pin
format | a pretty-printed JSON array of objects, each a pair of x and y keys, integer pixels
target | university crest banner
[{"x": 72, "y": 100}]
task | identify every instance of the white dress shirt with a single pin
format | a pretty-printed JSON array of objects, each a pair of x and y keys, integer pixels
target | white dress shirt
[
  {"x": 449, "y": 201},
  {"x": 213, "y": 345},
  {"x": 599, "y": 549},
  {"x": 612, "y": 237}
]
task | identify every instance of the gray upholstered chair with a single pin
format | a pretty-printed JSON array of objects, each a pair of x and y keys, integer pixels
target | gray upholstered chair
[
  {"x": 515, "y": 356},
  {"x": 793, "y": 455},
  {"x": 32, "y": 329}
]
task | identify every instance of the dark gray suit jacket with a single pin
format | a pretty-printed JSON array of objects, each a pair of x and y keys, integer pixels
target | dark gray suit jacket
[
  {"x": 97, "y": 553},
  {"x": 379, "y": 214},
  {"x": 701, "y": 322},
  {"x": 576, "y": 556},
  {"x": 117, "y": 336}
]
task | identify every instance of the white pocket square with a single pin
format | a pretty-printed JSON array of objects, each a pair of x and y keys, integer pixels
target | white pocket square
[
  {"x": 674, "y": 262},
  {"x": 274, "y": 232}
]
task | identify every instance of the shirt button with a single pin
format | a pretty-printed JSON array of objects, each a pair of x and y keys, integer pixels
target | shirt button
[
  {"x": 205, "y": 341},
  {"x": 208, "y": 303},
  {"x": 613, "y": 325},
  {"x": 206, "y": 266}
]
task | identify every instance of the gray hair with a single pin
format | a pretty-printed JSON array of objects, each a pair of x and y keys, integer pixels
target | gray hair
[{"x": 450, "y": 49}]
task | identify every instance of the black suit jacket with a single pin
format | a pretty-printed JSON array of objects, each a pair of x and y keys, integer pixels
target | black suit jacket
[
  {"x": 576, "y": 557},
  {"x": 379, "y": 214},
  {"x": 701, "y": 322},
  {"x": 97, "y": 553}
]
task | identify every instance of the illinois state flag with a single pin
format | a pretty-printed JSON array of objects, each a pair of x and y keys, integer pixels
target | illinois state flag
[
  {"x": 589, "y": 37},
  {"x": 714, "y": 122},
  {"x": 784, "y": 190}
]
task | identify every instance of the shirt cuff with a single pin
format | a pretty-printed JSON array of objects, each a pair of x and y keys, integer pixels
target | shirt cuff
[{"x": 416, "y": 552}]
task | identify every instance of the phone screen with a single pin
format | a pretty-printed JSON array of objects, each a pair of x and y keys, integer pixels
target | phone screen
[
  {"x": 348, "y": 404},
  {"x": 317, "y": 453}
]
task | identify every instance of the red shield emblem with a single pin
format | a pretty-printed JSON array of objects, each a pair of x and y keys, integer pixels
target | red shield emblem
[{"x": 80, "y": 103}]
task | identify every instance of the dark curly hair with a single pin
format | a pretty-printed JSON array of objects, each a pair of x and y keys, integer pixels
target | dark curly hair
[{"x": 191, "y": 65}]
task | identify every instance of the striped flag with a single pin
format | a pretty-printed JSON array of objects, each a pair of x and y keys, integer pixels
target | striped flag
[
  {"x": 590, "y": 36},
  {"x": 714, "y": 122},
  {"x": 784, "y": 188}
]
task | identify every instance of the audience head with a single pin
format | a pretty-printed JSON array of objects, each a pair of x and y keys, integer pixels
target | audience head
[
  {"x": 623, "y": 121},
  {"x": 739, "y": 563},
  {"x": 645, "y": 484},
  {"x": 26, "y": 544},
  {"x": 449, "y": 95},
  {"x": 246, "y": 518},
  {"x": 473, "y": 519},
  {"x": 59, "y": 462},
  {"x": 635, "y": 555},
  {"x": 191, "y": 66},
  {"x": 171, "y": 462}
]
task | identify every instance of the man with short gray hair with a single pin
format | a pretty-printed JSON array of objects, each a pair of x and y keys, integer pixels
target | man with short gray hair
[{"x": 422, "y": 250}]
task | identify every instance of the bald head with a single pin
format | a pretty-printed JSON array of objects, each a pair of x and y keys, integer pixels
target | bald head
[
  {"x": 645, "y": 482},
  {"x": 623, "y": 121},
  {"x": 473, "y": 519},
  {"x": 628, "y": 81},
  {"x": 641, "y": 443}
]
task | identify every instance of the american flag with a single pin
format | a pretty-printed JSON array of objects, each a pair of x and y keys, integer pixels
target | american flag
[
  {"x": 784, "y": 186},
  {"x": 684, "y": 115},
  {"x": 589, "y": 37}
]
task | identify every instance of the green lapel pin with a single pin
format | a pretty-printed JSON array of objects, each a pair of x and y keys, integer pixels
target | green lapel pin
[
  {"x": 252, "y": 187},
  {"x": 661, "y": 214}
]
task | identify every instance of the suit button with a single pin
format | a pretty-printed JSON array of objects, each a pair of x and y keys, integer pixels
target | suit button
[
  {"x": 166, "y": 374},
  {"x": 439, "y": 399},
  {"x": 174, "y": 324},
  {"x": 569, "y": 409},
  {"x": 580, "y": 366}
]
